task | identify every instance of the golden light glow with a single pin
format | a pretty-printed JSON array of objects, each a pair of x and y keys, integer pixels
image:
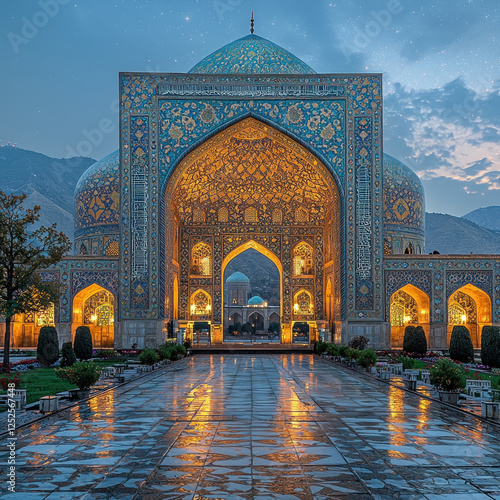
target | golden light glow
[
  {"x": 252, "y": 162},
  {"x": 463, "y": 318}
]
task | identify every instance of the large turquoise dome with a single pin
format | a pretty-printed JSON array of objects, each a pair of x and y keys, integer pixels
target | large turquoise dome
[
  {"x": 252, "y": 54},
  {"x": 404, "y": 209}
]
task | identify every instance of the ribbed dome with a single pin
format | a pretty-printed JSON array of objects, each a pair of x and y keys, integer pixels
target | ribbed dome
[
  {"x": 252, "y": 54},
  {"x": 97, "y": 198},
  {"x": 256, "y": 301},
  {"x": 237, "y": 278},
  {"x": 404, "y": 206}
]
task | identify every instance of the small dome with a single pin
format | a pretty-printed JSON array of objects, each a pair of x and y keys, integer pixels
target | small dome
[
  {"x": 237, "y": 278},
  {"x": 404, "y": 208},
  {"x": 97, "y": 198},
  {"x": 256, "y": 301},
  {"x": 252, "y": 54}
]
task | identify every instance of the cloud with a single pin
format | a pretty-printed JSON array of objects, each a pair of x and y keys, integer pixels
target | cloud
[{"x": 450, "y": 132}]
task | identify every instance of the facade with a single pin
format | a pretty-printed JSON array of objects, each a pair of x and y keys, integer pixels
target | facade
[{"x": 254, "y": 149}]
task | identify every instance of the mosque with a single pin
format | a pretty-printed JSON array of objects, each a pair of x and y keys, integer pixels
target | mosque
[{"x": 252, "y": 149}]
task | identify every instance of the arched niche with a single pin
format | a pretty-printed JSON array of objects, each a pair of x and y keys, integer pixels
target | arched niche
[
  {"x": 94, "y": 307},
  {"x": 408, "y": 306},
  {"x": 471, "y": 307}
]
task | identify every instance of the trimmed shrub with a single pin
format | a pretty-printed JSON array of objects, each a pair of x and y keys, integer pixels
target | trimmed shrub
[
  {"x": 367, "y": 358},
  {"x": 352, "y": 353},
  {"x": 332, "y": 350},
  {"x": 408, "y": 338},
  {"x": 416, "y": 343},
  {"x": 490, "y": 346},
  {"x": 461, "y": 348},
  {"x": 359, "y": 342},
  {"x": 83, "y": 343},
  {"x": 68, "y": 355},
  {"x": 247, "y": 327},
  {"x": 148, "y": 357},
  {"x": 343, "y": 350},
  {"x": 164, "y": 351},
  {"x": 47, "y": 350}
]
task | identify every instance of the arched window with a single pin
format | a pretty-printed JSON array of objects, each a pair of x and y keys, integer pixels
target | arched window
[
  {"x": 277, "y": 216},
  {"x": 303, "y": 259},
  {"x": 223, "y": 215},
  {"x": 199, "y": 215},
  {"x": 251, "y": 215},
  {"x": 201, "y": 304},
  {"x": 201, "y": 264},
  {"x": 303, "y": 303},
  {"x": 83, "y": 249}
]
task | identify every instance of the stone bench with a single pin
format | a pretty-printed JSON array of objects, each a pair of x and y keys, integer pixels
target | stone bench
[
  {"x": 4, "y": 401},
  {"x": 478, "y": 388},
  {"x": 410, "y": 379},
  {"x": 396, "y": 368}
]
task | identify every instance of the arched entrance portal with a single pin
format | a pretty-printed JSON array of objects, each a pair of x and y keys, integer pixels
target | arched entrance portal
[
  {"x": 94, "y": 307},
  {"x": 471, "y": 307},
  {"x": 251, "y": 186},
  {"x": 252, "y": 295},
  {"x": 408, "y": 306}
]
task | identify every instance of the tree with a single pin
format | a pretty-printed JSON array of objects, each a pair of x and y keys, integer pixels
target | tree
[
  {"x": 47, "y": 351},
  {"x": 461, "y": 348},
  {"x": 83, "y": 343},
  {"x": 23, "y": 252},
  {"x": 490, "y": 346},
  {"x": 408, "y": 338}
]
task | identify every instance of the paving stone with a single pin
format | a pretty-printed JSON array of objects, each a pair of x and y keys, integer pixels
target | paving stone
[{"x": 242, "y": 426}]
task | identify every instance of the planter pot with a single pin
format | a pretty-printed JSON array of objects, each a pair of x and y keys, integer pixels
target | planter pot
[
  {"x": 489, "y": 409},
  {"x": 450, "y": 397},
  {"x": 78, "y": 394}
]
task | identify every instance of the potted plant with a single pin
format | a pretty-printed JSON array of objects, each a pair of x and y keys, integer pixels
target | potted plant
[
  {"x": 367, "y": 358},
  {"x": 83, "y": 375},
  {"x": 490, "y": 409},
  {"x": 449, "y": 379}
]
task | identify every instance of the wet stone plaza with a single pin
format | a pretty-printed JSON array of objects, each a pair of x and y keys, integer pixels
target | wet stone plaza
[{"x": 239, "y": 426}]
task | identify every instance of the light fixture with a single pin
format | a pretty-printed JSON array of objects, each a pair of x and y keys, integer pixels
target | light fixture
[
  {"x": 407, "y": 319},
  {"x": 93, "y": 318},
  {"x": 296, "y": 307},
  {"x": 464, "y": 318}
]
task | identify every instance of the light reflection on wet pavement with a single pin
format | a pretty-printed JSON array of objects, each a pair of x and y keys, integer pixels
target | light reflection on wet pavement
[{"x": 257, "y": 426}]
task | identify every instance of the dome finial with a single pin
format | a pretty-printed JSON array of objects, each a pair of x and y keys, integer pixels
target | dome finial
[{"x": 251, "y": 24}]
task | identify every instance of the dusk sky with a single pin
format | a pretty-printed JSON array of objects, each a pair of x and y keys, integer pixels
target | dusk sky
[{"x": 440, "y": 62}]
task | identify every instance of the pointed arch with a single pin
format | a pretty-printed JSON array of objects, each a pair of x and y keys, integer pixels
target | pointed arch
[
  {"x": 469, "y": 306},
  {"x": 408, "y": 305},
  {"x": 302, "y": 259},
  {"x": 264, "y": 251},
  {"x": 201, "y": 305},
  {"x": 94, "y": 307},
  {"x": 303, "y": 303}
]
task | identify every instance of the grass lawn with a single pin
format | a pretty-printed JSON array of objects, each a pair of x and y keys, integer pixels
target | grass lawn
[{"x": 43, "y": 381}]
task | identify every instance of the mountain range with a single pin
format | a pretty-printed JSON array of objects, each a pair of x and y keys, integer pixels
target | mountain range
[{"x": 50, "y": 183}]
